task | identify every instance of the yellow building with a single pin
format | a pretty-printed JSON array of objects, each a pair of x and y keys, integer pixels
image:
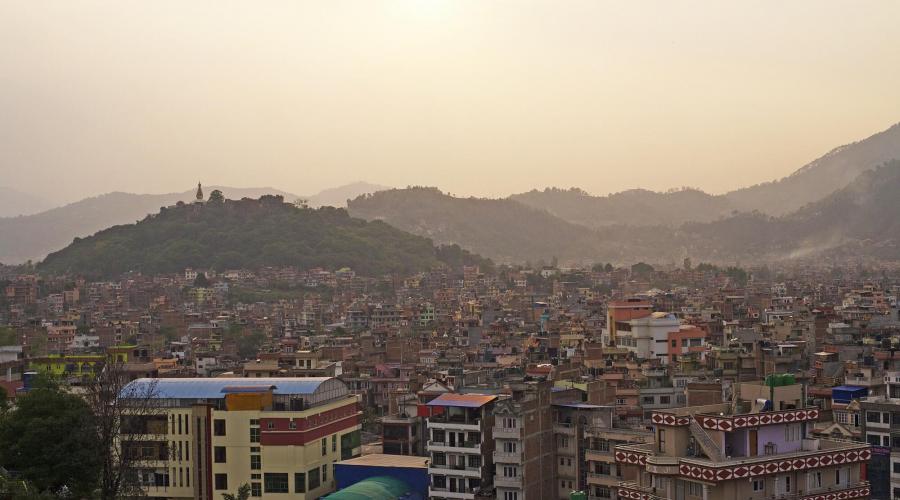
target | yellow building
[{"x": 279, "y": 435}]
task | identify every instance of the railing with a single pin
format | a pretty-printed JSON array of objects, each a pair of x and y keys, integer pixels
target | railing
[
  {"x": 632, "y": 491},
  {"x": 710, "y": 447}
]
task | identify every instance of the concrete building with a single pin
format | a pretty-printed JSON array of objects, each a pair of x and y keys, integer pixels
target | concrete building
[
  {"x": 523, "y": 444},
  {"x": 750, "y": 449},
  {"x": 279, "y": 435},
  {"x": 460, "y": 445}
]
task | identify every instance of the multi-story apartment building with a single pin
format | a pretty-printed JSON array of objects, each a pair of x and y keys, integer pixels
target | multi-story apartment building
[
  {"x": 880, "y": 422},
  {"x": 211, "y": 435},
  {"x": 460, "y": 445},
  {"x": 523, "y": 444},
  {"x": 602, "y": 437},
  {"x": 758, "y": 448}
]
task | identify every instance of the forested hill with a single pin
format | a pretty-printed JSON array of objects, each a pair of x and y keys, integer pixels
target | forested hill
[{"x": 251, "y": 233}]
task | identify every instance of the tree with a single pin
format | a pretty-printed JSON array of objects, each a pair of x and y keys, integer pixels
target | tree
[
  {"x": 8, "y": 336},
  {"x": 124, "y": 418},
  {"x": 201, "y": 280},
  {"x": 243, "y": 493},
  {"x": 47, "y": 438},
  {"x": 216, "y": 197}
]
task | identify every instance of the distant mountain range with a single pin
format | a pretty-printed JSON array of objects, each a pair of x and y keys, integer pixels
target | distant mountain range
[
  {"x": 32, "y": 237},
  {"x": 14, "y": 202},
  {"x": 639, "y": 207},
  {"x": 251, "y": 233},
  {"x": 841, "y": 202},
  {"x": 862, "y": 219}
]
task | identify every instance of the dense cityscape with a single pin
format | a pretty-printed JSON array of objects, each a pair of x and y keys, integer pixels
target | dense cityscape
[
  {"x": 512, "y": 382},
  {"x": 449, "y": 250}
]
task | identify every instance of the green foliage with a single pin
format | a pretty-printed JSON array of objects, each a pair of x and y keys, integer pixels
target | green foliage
[
  {"x": 248, "y": 342},
  {"x": 49, "y": 439},
  {"x": 216, "y": 197},
  {"x": 248, "y": 234},
  {"x": 201, "y": 280},
  {"x": 8, "y": 336},
  {"x": 243, "y": 493},
  {"x": 641, "y": 269}
]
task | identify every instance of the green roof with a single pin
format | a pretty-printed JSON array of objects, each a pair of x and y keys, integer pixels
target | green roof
[{"x": 373, "y": 488}]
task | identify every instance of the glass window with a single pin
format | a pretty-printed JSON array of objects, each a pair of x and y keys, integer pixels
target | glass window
[
  {"x": 313, "y": 478},
  {"x": 300, "y": 482},
  {"x": 275, "y": 482},
  {"x": 255, "y": 462},
  {"x": 218, "y": 427},
  {"x": 219, "y": 454},
  {"x": 255, "y": 489},
  {"x": 221, "y": 481},
  {"x": 254, "y": 434}
]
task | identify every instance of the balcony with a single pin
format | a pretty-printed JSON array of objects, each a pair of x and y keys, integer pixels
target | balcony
[
  {"x": 455, "y": 470},
  {"x": 861, "y": 489},
  {"x": 599, "y": 456},
  {"x": 455, "y": 424},
  {"x": 507, "y": 458},
  {"x": 508, "y": 482},
  {"x": 825, "y": 453},
  {"x": 629, "y": 489},
  {"x": 564, "y": 429},
  {"x": 446, "y": 493},
  {"x": 602, "y": 479},
  {"x": 507, "y": 432},
  {"x": 458, "y": 447}
]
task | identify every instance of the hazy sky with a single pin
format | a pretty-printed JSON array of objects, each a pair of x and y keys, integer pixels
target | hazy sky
[{"x": 477, "y": 97}]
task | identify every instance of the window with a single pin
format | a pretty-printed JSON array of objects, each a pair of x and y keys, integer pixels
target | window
[
  {"x": 509, "y": 447},
  {"x": 474, "y": 461},
  {"x": 219, "y": 454},
  {"x": 292, "y": 425},
  {"x": 324, "y": 446},
  {"x": 256, "y": 476},
  {"x": 602, "y": 492},
  {"x": 563, "y": 442},
  {"x": 334, "y": 443},
  {"x": 218, "y": 427},
  {"x": 255, "y": 490},
  {"x": 221, "y": 481},
  {"x": 275, "y": 482},
  {"x": 254, "y": 449},
  {"x": 270, "y": 425},
  {"x": 313, "y": 479},
  {"x": 662, "y": 440},
  {"x": 179, "y": 423},
  {"x": 664, "y": 400},
  {"x": 873, "y": 417},
  {"x": 439, "y": 481},
  {"x": 254, "y": 434},
  {"x": 254, "y": 421},
  {"x": 873, "y": 439},
  {"x": 300, "y": 482},
  {"x": 510, "y": 423},
  {"x": 885, "y": 418},
  {"x": 792, "y": 432},
  {"x": 439, "y": 459},
  {"x": 510, "y": 495},
  {"x": 814, "y": 480},
  {"x": 759, "y": 484},
  {"x": 325, "y": 473},
  {"x": 510, "y": 471},
  {"x": 896, "y": 466},
  {"x": 695, "y": 489},
  {"x": 255, "y": 462}
]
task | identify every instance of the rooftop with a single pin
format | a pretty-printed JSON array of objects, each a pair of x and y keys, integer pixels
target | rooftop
[
  {"x": 380, "y": 460},
  {"x": 462, "y": 400},
  {"x": 217, "y": 388}
]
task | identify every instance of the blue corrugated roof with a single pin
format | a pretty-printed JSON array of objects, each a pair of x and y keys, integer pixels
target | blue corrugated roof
[
  {"x": 849, "y": 388},
  {"x": 216, "y": 388}
]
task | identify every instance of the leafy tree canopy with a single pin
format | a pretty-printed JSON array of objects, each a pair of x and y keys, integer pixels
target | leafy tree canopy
[{"x": 49, "y": 439}]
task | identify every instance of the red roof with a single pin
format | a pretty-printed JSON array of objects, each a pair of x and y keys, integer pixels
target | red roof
[{"x": 462, "y": 400}]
